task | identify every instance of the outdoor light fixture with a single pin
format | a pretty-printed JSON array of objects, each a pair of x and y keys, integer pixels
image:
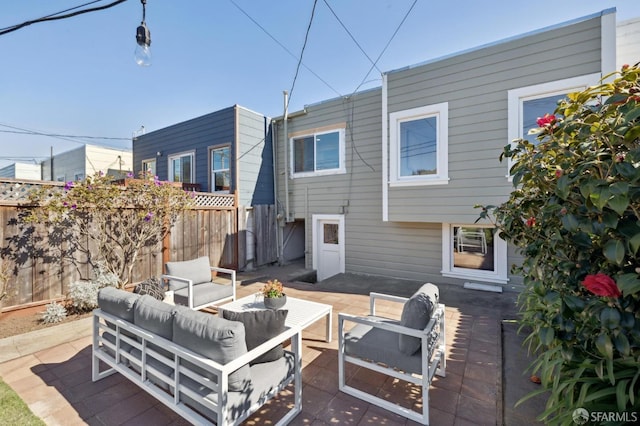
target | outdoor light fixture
[{"x": 143, "y": 38}]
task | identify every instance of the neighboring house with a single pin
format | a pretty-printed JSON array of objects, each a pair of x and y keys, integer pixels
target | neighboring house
[
  {"x": 21, "y": 171},
  {"x": 384, "y": 182},
  {"x": 87, "y": 160},
  {"x": 226, "y": 151}
]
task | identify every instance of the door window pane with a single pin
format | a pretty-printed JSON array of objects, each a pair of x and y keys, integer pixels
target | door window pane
[
  {"x": 181, "y": 168},
  {"x": 331, "y": 233},
  {"x": 220, "y": 168}
]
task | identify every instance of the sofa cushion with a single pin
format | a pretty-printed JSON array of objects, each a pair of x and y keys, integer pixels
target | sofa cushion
[
  {"x": 117, "y": 302},
  {"x": 215, "y": 338},
  {"x": 260, "y": 326},
  {"x": 152, "y": 287},
  {"x": 416, "y": 314},
  {"x": 197, "y": 270},
  {"x": 154, "y": 316}
]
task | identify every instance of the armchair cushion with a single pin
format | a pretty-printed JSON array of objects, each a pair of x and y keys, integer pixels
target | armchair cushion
[
  {"x": 203, "y": 293},
  {"x": 259, "y": 327},
  {"x": 215, "y": 338},
  {"x": 416, "y": 314},
  {"x": 197, "y": 270}
]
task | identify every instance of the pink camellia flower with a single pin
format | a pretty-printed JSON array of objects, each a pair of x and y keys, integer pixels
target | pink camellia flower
[
  {"x": 531, "y": 221},
  {"x": 625, "y": 66},
  {"x": 601, "y": 285},
  {"x": 558, "y": 173},
  {"x": 545, "y": 121}
]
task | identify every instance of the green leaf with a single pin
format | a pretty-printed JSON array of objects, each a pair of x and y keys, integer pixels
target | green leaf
[
  {"x": 619, "y": 188},
  {"x": 632, "y": 134},
  {"x": 621, "y": 395},
  {"x": 614, "y": 251},
  {"x": 634, "y": 244},
  {"x": 546, "y": 335},
  {"x": 562, "y": 187},
  {"x": 600, "y": 196},
  {"x": 604, "y": 346},
  {"x": 610, "y": 318},
  {"x": 570, "y": 223},
  {"x": 628, "y": 284},
  {"x": 622, "y": 344},
  {"x": 626, "y": 170},
  {"x": 574, "y": 303},
  {"x": 619, "y": 203},
  {"x": 632, "y": 115}
]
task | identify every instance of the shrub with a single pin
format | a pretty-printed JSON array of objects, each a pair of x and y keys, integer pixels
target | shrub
[
  {"x": 95, "y": 221},
  {"x": 54, "y": 313},
  {"x": 574, "y": 215},
  {"x": 84, "y": 294}
]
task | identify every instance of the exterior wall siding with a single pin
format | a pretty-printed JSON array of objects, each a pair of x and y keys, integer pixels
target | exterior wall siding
[
  {"x": 198, "y": 134},
  {"x": 475, "y": 85},
  {"x": 628, "y": 42},
  {"x": 254, "y": 159}
]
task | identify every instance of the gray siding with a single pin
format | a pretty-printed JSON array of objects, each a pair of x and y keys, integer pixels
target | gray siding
[
  {"x": 475, "y": 84},
  {"x": 254, "y": 159},
  {"x": 628, "y": 42},
  {"x": 198, "y": 134}
]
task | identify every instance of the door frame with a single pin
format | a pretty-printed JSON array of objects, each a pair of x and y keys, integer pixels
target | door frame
[{"x": 315, "y": 222}]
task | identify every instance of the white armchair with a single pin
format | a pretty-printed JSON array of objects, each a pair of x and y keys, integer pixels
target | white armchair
[
  {"x": 192, "y": 284},
  {"x": 411, "y": 349}
]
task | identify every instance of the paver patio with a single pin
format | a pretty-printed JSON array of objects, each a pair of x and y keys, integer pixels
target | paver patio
[{"x": 56, "y": 382}]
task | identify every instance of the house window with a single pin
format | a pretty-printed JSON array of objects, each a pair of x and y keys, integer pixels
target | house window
[
  {"x": 473, "y": 252},
  {"x": 220, "y": 168},
  {"x": 526, "y": 104},
  {"x": 78, "y": 176},
  {"x": 149, "y": 167},
  {"x": 319, "y": 153},
  {"x": 181, "y": 167},
  {"x": 419, "y": 146}
]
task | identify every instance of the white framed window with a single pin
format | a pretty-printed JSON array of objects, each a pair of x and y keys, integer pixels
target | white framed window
[
  {"x": 527, "y": 104},
  {"x": 220, "y": 168},
  {"x": 419, "y": 146},
  {"x": 149, "y": 167},
  {"x": 182, "y": 167},
  {"x": 317, "y": 154},
  {"x": 473, "y": 252}
]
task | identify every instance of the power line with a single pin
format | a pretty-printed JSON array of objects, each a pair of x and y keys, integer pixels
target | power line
[
  {"x": 293, "y": 55},
  {"x": 306, "y": 37},
  {"x": 64, "y": 136},
  {"x": 387, "y": 45},
  {"x": 351, "y": 35},
  {"x": 53, "y": 17},
  {"x": 21, "y": 130}
]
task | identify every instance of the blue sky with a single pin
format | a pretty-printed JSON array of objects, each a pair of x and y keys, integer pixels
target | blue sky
[{"x": 77, "y": 76}]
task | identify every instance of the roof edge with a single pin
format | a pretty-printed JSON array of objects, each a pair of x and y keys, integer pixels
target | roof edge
[{"x": 508, "y": 39}]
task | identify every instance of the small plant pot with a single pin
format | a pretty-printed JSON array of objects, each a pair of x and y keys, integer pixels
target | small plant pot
[{"x": 275, "y": 302}]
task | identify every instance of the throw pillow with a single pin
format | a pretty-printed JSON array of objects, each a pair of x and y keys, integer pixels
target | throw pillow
[
  {"x": 416, "y": 313},
  {"x": 259, "y": 327},
  {"x": 152, "y": 287}
]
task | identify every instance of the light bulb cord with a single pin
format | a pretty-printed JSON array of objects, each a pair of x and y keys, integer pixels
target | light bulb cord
[{"x": 144, "y": 10}]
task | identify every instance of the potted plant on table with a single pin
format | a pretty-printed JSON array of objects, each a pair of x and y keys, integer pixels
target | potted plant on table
[{"x": 273, "y": 293}]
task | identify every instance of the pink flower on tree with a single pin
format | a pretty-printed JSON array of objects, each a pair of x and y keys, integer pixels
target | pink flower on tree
[
  {"x": 531, "y": 222},
  {"x": 545, "y": 121},
  {"x": 601, "y": 285}
]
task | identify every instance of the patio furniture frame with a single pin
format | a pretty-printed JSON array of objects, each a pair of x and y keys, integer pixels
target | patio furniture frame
[
  {"x": 432, "y": 355},
  {"x": 152, "y": 379},
  {"x": 191, "y": 287}
]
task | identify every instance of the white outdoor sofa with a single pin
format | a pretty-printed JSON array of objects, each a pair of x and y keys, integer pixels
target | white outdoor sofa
[
  {"x": 410, "y": 349},
  {"x": 195, "y": 363}
]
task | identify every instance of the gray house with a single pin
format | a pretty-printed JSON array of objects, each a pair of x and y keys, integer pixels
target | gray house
[
  {"x": 385, "y": 181},
  {"x": 227, "y": 151}
]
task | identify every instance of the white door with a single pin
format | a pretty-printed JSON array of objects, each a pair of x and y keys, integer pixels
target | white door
[{"x": 328, "y": 245}]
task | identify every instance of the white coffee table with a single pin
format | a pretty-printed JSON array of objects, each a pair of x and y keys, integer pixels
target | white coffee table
[{"x": 302, "y": 313}]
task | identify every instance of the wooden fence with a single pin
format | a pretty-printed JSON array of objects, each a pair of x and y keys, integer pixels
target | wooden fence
[{"x": 36, "y": 276}]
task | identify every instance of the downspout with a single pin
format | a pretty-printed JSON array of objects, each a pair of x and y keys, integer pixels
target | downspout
[
  {"x": 276, "y": 216},
  {"x": 286, "y": 157}
]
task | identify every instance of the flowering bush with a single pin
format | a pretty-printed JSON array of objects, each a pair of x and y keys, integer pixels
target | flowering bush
[
  {"x": 96, "y": 221},
  {"x": 574, "y": 215},
  {"x": 273, "y": 289}
]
